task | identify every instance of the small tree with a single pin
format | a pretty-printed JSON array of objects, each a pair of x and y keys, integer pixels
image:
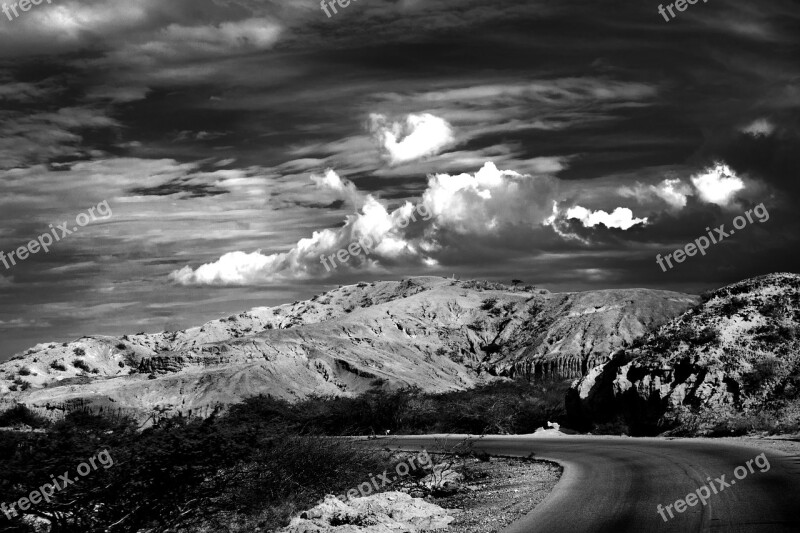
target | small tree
[{"x": 516, "y": 282}]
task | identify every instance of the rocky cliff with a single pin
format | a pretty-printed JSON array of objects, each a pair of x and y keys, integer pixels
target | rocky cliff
[
  {"x": 731, "y": 365},
  {"x": 438, "y": 334}
]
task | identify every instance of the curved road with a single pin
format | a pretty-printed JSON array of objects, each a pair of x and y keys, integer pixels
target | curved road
[{"x": 613, "y": 484}]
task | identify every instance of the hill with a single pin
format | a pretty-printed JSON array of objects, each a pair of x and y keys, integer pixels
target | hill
[
  {"x": 435, "y": 333},
  {"x": 729, "y": 366}
]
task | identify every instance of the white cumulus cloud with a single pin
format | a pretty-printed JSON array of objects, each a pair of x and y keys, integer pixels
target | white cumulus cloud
[
  {"x": 718, "y": 185},
  {"x": 673, "y": 191},
  {"x": 621, "y": 217},
  {"x": 342, "y": 189},
  {"x": 489, "y": 199},
  {"x": 417, "y": 137},
  {"x": 488, "y": 202}
]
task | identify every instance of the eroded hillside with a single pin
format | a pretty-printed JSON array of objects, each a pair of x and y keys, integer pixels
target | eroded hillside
[
  {"x": 435, "y": 333},
  {"x": 730, "y": 365}
]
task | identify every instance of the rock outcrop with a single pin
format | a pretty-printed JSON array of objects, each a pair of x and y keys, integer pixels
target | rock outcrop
[
  {"x": 731, "y": 364},
  {"x": 387, "y": 512}
]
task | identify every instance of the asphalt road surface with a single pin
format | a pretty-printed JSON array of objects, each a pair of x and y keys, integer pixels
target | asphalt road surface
[{"x": 613, "y": 484}]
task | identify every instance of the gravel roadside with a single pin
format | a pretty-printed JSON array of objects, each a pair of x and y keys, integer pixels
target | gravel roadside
[{"x": 498, "y": 492}]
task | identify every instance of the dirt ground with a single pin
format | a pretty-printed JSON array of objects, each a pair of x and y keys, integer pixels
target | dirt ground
[{"x": 498, "y": 493}]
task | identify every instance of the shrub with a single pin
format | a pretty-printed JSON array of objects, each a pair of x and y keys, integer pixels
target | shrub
[
  {"x": 184, "y": 475},
  {"x": 488, "y": 304},
  {"x": 24, "y": 371},
  {"x": 732, "y": 307},
  {"x": 764, "y": 371},
  {"x": 617, "y": 426},
  {"x": 82, "y": 365},
  {"x": 121, "y": 346},
  {"x": 770, "y": 309},
  {"x": 771, "y": 334},
  {"x": 21, "y": 415},
  {"x": 79, "y": 351},
  {"x": 706, "y": 336},
  {"x": 55, "y": 365}
]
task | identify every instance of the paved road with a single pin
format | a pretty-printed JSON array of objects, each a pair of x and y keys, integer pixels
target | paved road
[{"x": 615, "y": 484}]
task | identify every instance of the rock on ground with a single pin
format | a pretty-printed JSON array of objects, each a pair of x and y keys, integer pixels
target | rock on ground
[{"x": 388, "y": 512}]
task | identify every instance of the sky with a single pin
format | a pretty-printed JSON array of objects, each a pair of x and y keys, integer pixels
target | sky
[{"x": 210, "y": 156}]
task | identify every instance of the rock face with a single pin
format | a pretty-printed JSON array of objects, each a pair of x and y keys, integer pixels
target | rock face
[
  {"x": 435, "y": 333},
  {"x": 731, "y": 359}
]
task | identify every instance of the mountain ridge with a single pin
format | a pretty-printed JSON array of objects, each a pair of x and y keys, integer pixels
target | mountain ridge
[{"x": 435, "y": 333}]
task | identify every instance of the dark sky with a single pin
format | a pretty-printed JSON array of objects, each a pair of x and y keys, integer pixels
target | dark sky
[{"x": 564, "y": 143}]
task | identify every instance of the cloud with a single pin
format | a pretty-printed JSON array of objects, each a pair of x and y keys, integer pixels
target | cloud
[
  {"x": 119, "y": 95},
  {"x": 23, "y": 323},
  {"x": 621, "y": 217},
  {"x": 20, "y": 91},
  {"x": 489, "y": 203},
  {"x": 560, "y": 90},
  {"x": 27, "y": 139},
  {"x": 303, "y": 261},
  {"x": 673, "y": 191},
  {"x": 759, "y": 127},
  {"x": 67, "y": 26},
  {"x": 177, "y": 41},
  {"x": 342, "y": 189},
  {"x": 718, "y": 185},
  {"x": 419, "y": 136},
  {"x": 489, "y": 199}
]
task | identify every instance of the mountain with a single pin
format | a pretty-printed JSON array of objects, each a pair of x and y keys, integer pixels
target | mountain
[
  {"x": 435, "y": 333},
  {"x": 730, "y": 365}
]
